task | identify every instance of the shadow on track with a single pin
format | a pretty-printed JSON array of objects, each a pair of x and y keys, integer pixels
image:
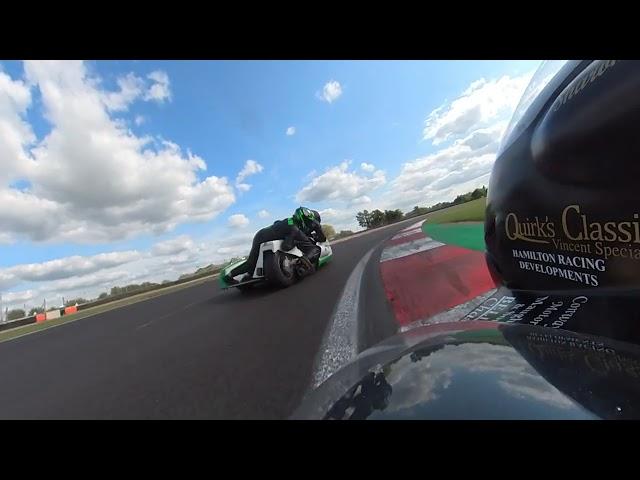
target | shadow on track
[{"x": 234, "y": 295}]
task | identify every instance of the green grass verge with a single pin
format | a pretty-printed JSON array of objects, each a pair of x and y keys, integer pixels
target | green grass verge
[
  {"x": 465, "y": 212},
  {"x": 89, "y": 312},
  {"x": 460, "y": 225},
  {"x": 466, "y": 235}
]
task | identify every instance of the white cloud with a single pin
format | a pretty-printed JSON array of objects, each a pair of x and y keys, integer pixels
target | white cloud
[
  {"x": 472, "y": 126},
  {"x": 159, "y": 90},
  {"x": 239, "y": 220},
  {"x": 264, "y": 214},
  {"x": 64, "y": 267},
  {"x": 251, "y": 167},
  {"x": 339, "y": 184},
  {"x": 334, "y": 215},
  {"x": 185, "y": 258},
  {"x": 291, "y": 131},
  {"x": 90, "y": 178},
  {"x": 363, "y": 200},
  {"x": 15, "y": 133},
  {"x": 340, "y": 219},
  {"x": 482, "y": 103},
  {"x": 367, "y": 167},
  {"x": 330, "y": 92},
  {"x": 72, "y": 266},
  {"x": 131, "y": 87},
  {"x": 234, "y": 245},
  {"x": 139, "y": 120},
  {"x": 441, "y": 175},
  {"x": 23, "y": 213},
  {"x": 16, "y": 299},
  {"x": 173, "y": 246},
  {"x": 7, "y": 280},
  {"x": 430, "y": 377},
  {"x": 85, "y": 282}
]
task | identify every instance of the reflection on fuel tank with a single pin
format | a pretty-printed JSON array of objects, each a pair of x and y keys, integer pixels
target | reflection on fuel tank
[
  {"x": 372, "y": 393},
  {"x": 602, "y": 376}
]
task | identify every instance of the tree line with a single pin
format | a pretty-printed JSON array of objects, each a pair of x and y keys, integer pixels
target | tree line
[
  {"x": 464, "y": 198},
  {"x": 378, "y": 218}
]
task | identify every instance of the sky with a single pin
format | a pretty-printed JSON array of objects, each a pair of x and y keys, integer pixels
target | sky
[{"x": 118, "y": 172}]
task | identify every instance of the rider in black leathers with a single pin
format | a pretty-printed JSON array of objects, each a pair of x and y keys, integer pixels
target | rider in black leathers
[{"x": 302, "y": 230}]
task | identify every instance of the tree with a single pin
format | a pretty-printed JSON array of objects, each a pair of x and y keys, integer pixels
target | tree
[
  {"x": 478, "y": 193},
  {"x": 35, "y": 311},
  {"x": 392, "y": 216},
  {"x": 15, "y": 314},
  {"x": 377, "y": 218},
  {"x": 116, "y": 291},
  {"x": 364, "y": 219},
  {"x": 417, "y": 211},
  {"x": 461, "y": 199},
  {"x": 329, "y": 231},
  {"x": 103, "y": 295}
]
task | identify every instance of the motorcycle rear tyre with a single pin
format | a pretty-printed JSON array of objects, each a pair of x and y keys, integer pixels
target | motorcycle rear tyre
[{"x": 274, "y": 271}]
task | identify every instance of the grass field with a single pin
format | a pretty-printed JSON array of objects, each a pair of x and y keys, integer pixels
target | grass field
[
  {"x": 472, "y": 211},
  {"x": 461, "y": 225}
]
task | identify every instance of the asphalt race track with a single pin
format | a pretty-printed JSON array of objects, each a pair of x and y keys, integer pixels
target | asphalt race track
[{"x": 198, "y": 353}]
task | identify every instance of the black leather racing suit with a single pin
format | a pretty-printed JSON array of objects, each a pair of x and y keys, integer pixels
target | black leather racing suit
[{"x": 291, "y": 235}]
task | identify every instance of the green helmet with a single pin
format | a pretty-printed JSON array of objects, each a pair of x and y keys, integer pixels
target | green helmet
[{"x": 303, "y": 216}]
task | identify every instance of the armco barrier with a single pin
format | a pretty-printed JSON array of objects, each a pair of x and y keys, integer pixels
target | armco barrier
[
  {"x": 53, "y": 314},
  {"x": 17, "y": 323},
  {"x": 40, "y": 317}
]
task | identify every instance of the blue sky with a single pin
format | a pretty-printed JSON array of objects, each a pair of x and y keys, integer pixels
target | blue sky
[{"x": 415, "y": 123}]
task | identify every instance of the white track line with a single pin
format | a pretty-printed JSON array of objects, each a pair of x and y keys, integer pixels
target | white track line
[
  {"x": 406, "y": 233},
  {"x": 409, "y": 248},
  {"x": 410, "y": 230},
  {"x": 416, "y": 225},
  {"x": 340, "y": 342}
]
